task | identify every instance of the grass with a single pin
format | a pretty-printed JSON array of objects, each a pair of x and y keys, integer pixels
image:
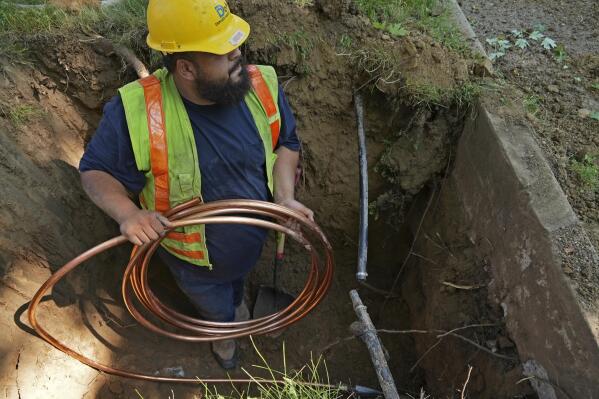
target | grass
[
  {"x": 532, "y": 104},
  {"x": 303, "y": 3},
  {"x": 301, "y": 43},
  {"x": 460, "y": 96},
  {"x": 380, "y": 63},
  {"x": 587, "y": 171},
  {"x": 397, "y": 17},
  {"x": 122, "y": 23},
  {"x": 293, "y": 386},
  {"x": 20, "y": 114}
]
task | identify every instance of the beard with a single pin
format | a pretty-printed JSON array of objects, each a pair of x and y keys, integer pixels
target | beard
[{"x": 225, "y": 93}]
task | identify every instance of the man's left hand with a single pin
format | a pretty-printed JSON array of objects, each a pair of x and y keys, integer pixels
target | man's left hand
[{"x": 298, "y": 206}]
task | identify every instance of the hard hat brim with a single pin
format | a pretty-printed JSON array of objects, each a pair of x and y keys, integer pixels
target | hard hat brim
[{"x": 230, "y": 38}]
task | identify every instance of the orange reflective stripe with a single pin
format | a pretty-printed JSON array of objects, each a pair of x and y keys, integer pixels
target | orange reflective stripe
[
  {"x": 186, "y": 238},
  {"x": 266, "y": 100},
  {"x": 188, "y": 254},
  {"x": 158, "y": 145}
]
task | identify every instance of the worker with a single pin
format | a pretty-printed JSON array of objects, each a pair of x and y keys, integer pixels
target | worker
[{"x": 206, "y": 126}]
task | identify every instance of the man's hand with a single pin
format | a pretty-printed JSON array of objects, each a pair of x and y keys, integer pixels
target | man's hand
[
  {"x": 284, "y": 173},
  {"x": 141, "y": 226},
  {"x": 298, "y": 206}
]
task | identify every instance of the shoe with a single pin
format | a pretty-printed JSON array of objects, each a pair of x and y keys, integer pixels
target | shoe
[
  {"x": 226, "y": 354},
  {"x": 242, "y": 313}
]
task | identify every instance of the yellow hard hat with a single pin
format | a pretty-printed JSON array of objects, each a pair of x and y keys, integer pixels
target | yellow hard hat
[{"x": 194, "y": 25}]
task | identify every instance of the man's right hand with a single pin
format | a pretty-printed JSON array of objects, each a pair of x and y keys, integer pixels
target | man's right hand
[{"x": 142, "y": 227}]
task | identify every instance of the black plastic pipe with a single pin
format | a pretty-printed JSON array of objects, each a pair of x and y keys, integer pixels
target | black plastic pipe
[{"x": 363, "y": 235}]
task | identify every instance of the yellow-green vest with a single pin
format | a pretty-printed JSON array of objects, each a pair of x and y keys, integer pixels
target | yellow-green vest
[{"x": 184, "y": 178}]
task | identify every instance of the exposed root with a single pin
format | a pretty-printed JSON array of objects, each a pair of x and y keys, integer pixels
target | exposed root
[
  {"x": 440, "y": 335},
  {"x": 463, "y": 395},
  {"x": 17, "y": 377}
]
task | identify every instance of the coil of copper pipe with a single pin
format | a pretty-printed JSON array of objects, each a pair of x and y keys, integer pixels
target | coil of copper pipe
[{"x": 248, "y": 212}]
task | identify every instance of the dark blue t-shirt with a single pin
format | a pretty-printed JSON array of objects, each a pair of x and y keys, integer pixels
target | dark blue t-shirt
[{"x": 232, "y": 163}]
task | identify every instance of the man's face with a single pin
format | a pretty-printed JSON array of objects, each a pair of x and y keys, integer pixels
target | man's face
[{"x": 222, "y": 79}]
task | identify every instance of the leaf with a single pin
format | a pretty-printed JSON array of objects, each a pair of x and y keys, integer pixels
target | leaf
[
  {"x": 536, "y": 35},
  {"x": 548, "y": 43},
  {"x": 522, "y": 43},
  {"x": 516, "y": 32},
  {"x": 492, "y": 41},
  {"x": 594, "y": 115},
  {"x": 496, "y": 55},
  {"x": 540, "y": 27},
  {"x": 504, "y": 44},
  {"x": 595, "y": 86},
  {"x": 379, "y": 25},
  {"x": 397, "y": 30}
]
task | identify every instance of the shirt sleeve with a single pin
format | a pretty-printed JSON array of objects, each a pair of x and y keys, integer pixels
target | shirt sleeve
[
  {"x": 287, "y": 136},
  {"x": 110, "y": 149}
]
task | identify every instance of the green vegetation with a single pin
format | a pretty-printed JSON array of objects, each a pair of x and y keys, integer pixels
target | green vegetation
[
  {"x": 301, "y": 43},
  {"x": 524, "y": 39},
  {"x": 20, "y": 114},
  {"x": 304, "y": 3},
  {"x": 587, "y": 170},
  {"x": 294, "y": 386},
  {"x": 345, "y": 43},
  {"x": 122, "y": 23},
  {"x": 397, "y": 17},
  {"x": 532, "y": 104},
  {"x": 381, "y": 64},
  {"x": 460, "y": 96}
]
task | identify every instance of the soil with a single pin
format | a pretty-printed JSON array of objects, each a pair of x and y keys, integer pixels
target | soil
[
  {"x": 45, "y": 218},
  {"x": 564, "y": 89}
]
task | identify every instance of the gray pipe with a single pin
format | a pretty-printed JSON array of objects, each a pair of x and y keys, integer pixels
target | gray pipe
[{"x": 363, "y": 235}]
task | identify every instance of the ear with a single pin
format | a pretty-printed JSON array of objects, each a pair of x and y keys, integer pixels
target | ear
[{"x": 186, "y": 69}]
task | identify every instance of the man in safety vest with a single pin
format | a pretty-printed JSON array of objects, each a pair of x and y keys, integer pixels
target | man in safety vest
[{"x": 206, "y": 126}]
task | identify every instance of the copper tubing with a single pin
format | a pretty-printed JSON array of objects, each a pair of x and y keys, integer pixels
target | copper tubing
[{"x": 135, "y": 280}]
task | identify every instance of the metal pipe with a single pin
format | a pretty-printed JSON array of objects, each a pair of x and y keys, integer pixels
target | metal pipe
[
  {"x": 188, "y": 328},
  {"x": 363, "y": 235}
]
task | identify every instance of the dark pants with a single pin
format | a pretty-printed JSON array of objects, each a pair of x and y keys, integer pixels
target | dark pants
[{"x": 214, "y": 301}]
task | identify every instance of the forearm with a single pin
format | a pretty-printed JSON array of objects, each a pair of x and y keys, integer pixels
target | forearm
[
  {"x": 284, "y": 174},
  {"x": 108, "y": 194}
]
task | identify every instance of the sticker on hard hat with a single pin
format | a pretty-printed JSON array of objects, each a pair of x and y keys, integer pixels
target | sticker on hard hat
[
  {"x": 222, "y": 11},
  {"x": 236, "y": 38}
]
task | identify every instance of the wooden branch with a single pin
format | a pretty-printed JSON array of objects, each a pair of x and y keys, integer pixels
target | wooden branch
[{"x": 371, "y": 339}]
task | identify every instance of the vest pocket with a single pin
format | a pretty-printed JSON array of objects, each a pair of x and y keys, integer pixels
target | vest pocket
[{"x": 186, "y": 184}]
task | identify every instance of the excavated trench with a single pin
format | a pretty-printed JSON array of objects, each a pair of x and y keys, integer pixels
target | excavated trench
[
  {"x": 53, "y": 221},
  {"x": 427, "y": 253}
]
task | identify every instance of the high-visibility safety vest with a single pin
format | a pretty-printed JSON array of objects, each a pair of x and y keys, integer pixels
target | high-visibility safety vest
[{"x": 165, "y": 149}]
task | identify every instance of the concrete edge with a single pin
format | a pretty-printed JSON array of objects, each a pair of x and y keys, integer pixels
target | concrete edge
[{"x": 513, "y": 201}]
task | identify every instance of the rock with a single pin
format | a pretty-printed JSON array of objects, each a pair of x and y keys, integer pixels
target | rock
[
  {"x": 484, "y": 68},
  {"x": 584, "y": 113},
  {"x": 386, "y": 37},
  {"x": 553, "y": 88}
]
